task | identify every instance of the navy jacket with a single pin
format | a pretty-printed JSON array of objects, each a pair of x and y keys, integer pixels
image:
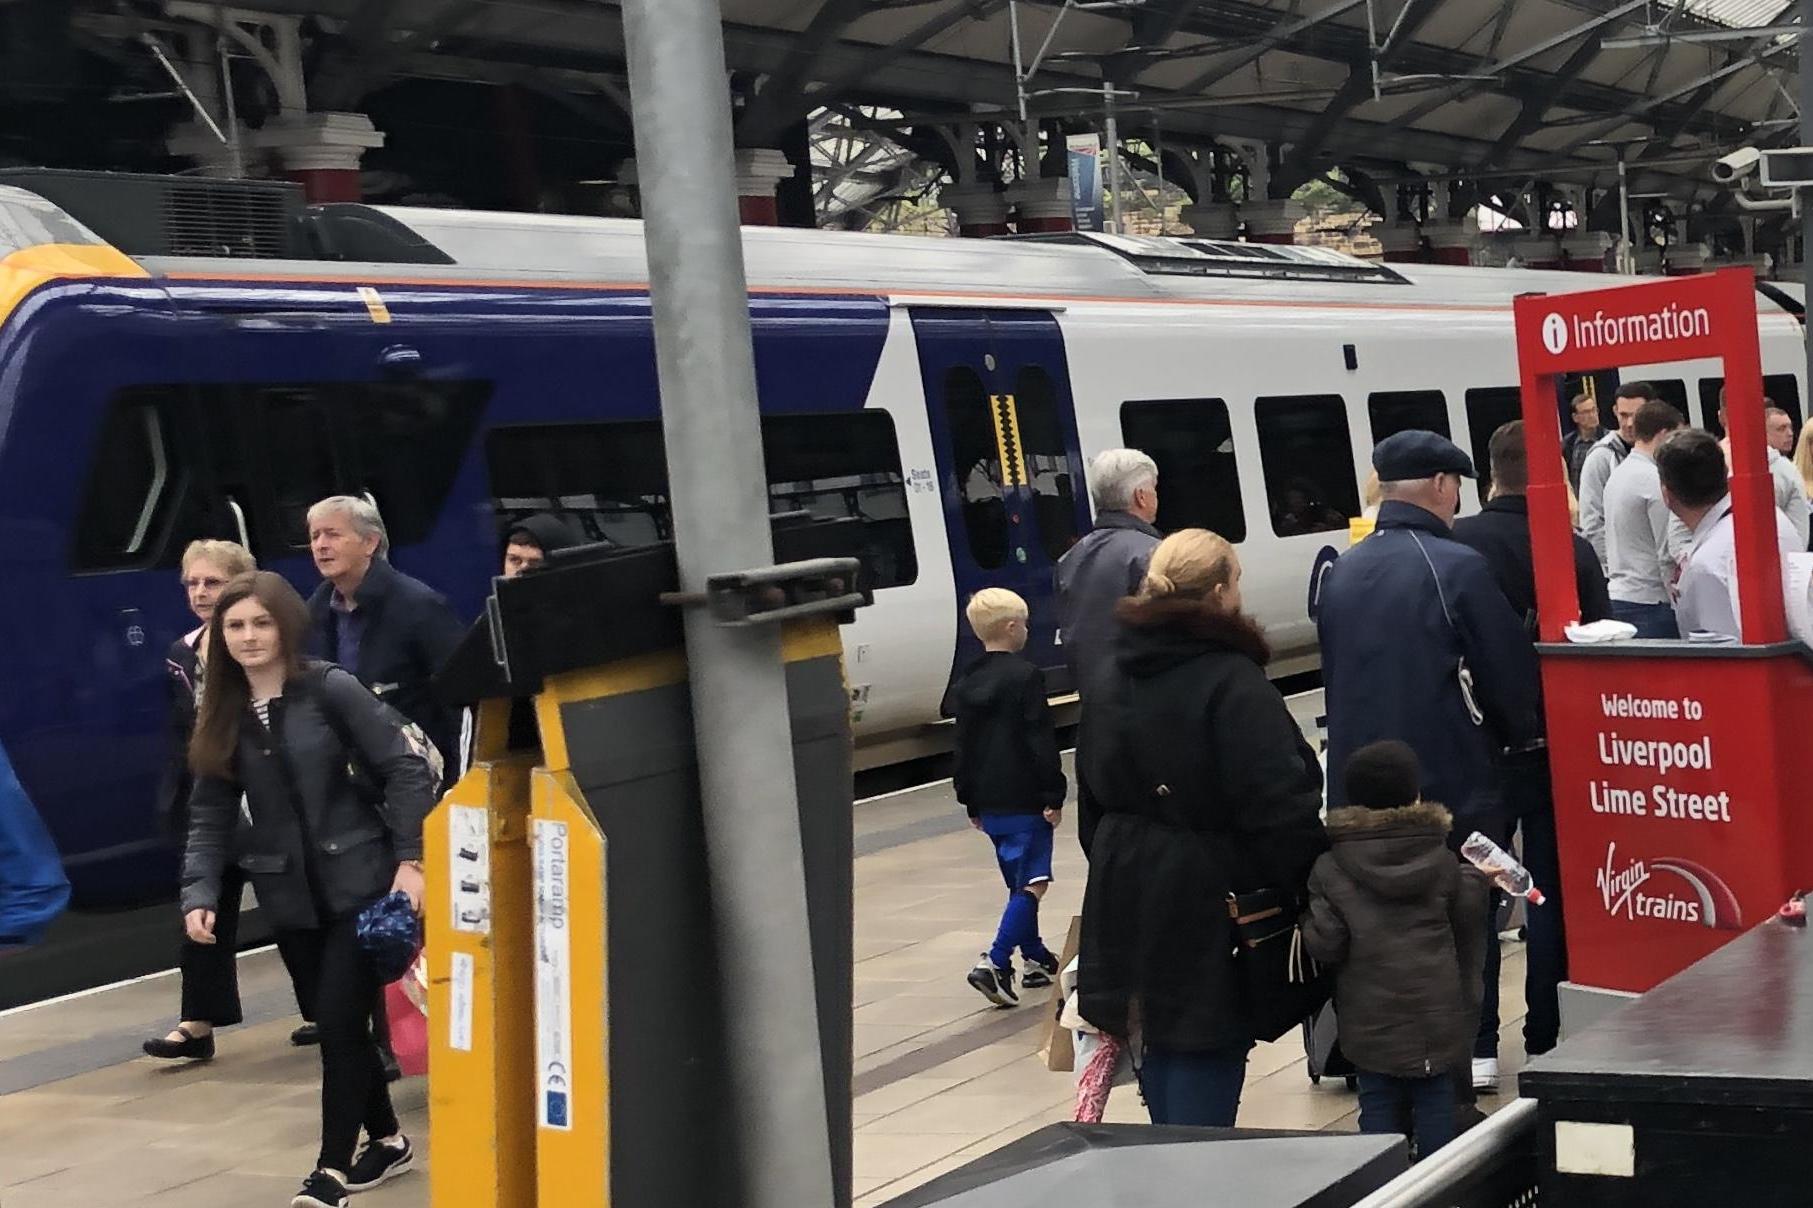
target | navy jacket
[
  {"x": 1006, "y": 761},
  {"x": 1390, "y": 656},
  {"x": 410, "y": 632},
  {"x": 1501, "y": 533},
  {"x": 1093, "y": 576}
]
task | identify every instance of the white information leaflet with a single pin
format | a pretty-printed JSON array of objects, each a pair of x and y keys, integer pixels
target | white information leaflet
[
  {"x": 469, "y": 854},
  {"x": 553, "y": 977},
  {"x": 459, "y": 1013}
]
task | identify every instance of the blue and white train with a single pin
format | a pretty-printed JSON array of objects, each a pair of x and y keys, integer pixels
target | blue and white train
[{"x": 947, "y": 393}]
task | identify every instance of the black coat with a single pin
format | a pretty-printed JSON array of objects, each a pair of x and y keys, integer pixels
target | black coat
[
  {"x": 1207, "y": 787},
  {"x": 182, "y": 677},
  {"x": 316, "y": 851},
  {"x": 410, "y": 633},
  {"x": 1006, "y": 760},
  {"x": 1402, "y": 925},
  {"x": 1501, "y": 534},
  {"x": 1400, "y": 611}
]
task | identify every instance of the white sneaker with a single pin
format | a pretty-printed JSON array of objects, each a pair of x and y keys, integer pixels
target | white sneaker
[{"x": 1485, "y": 1075}]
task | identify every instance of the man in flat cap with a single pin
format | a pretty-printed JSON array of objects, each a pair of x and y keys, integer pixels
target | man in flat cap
[{"x": 1419, "y": 644}]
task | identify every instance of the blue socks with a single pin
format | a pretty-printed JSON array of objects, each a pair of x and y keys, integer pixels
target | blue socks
[{"x": 1019, "y": 929}]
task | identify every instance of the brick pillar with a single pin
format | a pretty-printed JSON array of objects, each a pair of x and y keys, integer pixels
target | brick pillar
[
  {"x": 981, "y": 209},
  {"x": 1271, "y": 221},
  {"x": 1403, "y": 243},
  {"x": 759, "y": 171},
  {"x": 1538, "y": 251},
  {"x": 1041, "y": 205},
  {"x": 321, "y": 151},
  {"x": 1585, "y": 251}
]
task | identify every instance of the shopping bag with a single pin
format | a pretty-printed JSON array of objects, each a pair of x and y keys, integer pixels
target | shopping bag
[
  {"x": 406, "y": 1008},
  {"x": 33, "y": 889}
]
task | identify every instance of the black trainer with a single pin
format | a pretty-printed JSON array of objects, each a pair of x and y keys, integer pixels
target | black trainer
[
  {"x": 379, "y": 1162},
  {"x": 305, "y": 1035},
  {"x": 320, "y": 1190},
  {"x": 994, "y": 984},
  {"x": 1037, "y": 974}
]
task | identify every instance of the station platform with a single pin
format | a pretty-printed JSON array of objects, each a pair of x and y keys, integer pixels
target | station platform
[{"x": 941, "y": 1076}]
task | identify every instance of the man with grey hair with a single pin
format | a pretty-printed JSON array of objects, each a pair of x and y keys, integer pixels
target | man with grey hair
[
  {"x": 390, "y": 630},
  {"x": 1093, "y": 576}
]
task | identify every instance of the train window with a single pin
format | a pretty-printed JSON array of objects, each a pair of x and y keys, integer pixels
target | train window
[
  {"x": 1394, "y": 411},
  {"x": 1489, "y": 408},
  {"x": 1781, "y": 389},
  {"x": 1673, "y": 391},
  {"x": 1193, "y": 443},
  {"x": 131, "y": 485},
  {"x": 409, "y": 439},
  {"x": 299, "y": 455},
  {"x": 1048, "y": 469},
  {"x": 609, "y": 480},
  {"x": 976, "y": 461},
  {"x": 845, "y": 465},
  {"x": 1307, "y": 454}
]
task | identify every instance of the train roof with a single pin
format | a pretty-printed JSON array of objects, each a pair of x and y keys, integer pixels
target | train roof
[{"x": 405, "y": 244}]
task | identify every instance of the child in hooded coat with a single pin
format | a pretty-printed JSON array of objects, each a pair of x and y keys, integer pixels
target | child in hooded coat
[{"x": 1401, "y": 923}]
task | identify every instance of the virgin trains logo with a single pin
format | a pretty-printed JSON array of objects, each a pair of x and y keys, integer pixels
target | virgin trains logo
[{"x": 1668, "y": 889}]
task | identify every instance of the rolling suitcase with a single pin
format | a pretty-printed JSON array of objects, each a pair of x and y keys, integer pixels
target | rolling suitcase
[{"x": 1322, "y": 1047}]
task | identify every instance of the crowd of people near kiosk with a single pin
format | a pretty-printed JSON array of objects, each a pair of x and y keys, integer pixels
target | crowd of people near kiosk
[
  {"x": 308, "y": 745},
  {"x": 1214, "y": 836}
]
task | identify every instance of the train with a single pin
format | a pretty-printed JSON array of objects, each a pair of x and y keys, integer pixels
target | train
[{"x": 172, "y": 369}]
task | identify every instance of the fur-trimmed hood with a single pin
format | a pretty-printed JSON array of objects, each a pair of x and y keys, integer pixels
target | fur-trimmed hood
[
  {"x": 1158, "y": 631},
  {"x": 1399, "y": 853}
]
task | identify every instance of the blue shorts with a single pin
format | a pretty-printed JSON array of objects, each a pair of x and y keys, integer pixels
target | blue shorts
[{"x": 1022, "y": 847}]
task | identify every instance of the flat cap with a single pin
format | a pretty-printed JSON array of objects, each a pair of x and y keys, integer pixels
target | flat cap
[{"x": 1404, "y": 456}]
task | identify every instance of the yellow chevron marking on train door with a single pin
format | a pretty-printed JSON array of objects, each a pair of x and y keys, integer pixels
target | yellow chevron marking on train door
[{"x": 1006, "y": 417}]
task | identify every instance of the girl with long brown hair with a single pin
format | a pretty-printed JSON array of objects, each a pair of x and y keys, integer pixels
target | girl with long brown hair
[{"x": 317, "y": 850}]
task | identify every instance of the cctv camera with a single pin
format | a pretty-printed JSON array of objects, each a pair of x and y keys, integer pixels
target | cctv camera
[{"x": 1729, "y": 169}]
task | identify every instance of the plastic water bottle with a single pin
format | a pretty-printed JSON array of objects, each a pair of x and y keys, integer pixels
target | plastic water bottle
[{"x": 1502, "y": 867}]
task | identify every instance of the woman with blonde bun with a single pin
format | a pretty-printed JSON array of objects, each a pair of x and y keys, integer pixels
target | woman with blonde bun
[{"x": 1208, "y": 789}]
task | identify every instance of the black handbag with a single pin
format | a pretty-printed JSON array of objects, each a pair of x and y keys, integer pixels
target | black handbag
[{"x": 1279, "y": 985}]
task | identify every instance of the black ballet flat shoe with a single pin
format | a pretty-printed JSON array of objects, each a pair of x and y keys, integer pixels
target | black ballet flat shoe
[{"x": 189, "y": 1048}]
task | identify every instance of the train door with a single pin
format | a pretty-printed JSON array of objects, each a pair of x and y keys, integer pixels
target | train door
[{"x": 1010, "y": 469}]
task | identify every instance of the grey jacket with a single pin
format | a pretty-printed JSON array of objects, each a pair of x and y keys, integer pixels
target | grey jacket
[
  {"x": 1402, "y": 925},
  {"x": 1093, "y": 576},
  {"x": 316, "y": 851}
]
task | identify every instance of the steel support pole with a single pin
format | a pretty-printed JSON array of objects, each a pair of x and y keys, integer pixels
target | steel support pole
[
  {"x": 1806, "y": 140},
  {"x": 719, "y": 493},
  {"x": 1112, "y": 134}
]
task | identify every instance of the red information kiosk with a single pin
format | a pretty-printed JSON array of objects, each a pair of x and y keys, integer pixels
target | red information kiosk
[{"x": 1681, "y": 771}]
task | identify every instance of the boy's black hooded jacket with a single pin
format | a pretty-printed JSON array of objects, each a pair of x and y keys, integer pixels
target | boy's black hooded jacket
[
  {"x": 1006, "y": 760},
  {"x": 1402, "y": 925}
]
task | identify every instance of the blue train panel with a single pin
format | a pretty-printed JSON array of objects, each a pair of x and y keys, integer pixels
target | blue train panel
[{"x": 135, "y": 416}]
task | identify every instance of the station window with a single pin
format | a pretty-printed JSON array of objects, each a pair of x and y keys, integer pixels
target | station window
[
  {"x": 1781, "y": 389},
  {"x": 976, "y": 460},
  {"x": 1489, "y": 408},
  {"x": 245, "y": 461},
  {"x": 609, "y": 480},
  {"x": 1192, "y": 441},
  {"x": 1306, "y": 451},
  {"x": 1048, "y": 469},
  {"x": 1394, "y": 411}
]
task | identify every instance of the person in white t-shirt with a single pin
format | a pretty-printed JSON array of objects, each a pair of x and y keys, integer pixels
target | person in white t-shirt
[{"x": 1695, "y": 488}]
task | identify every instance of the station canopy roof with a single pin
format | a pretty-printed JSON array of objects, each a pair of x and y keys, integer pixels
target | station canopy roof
[{"x": 1549, "y": 89}]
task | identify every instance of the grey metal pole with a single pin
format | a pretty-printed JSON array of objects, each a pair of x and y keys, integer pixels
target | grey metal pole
[
  {"x": 1627, "y": 255},
  {"x": 1013, "y": 25},
  {"x": 1113, "y": 135},
  {"x": 1806, "y": 195},
  {"x": 739, "y": 694}
]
